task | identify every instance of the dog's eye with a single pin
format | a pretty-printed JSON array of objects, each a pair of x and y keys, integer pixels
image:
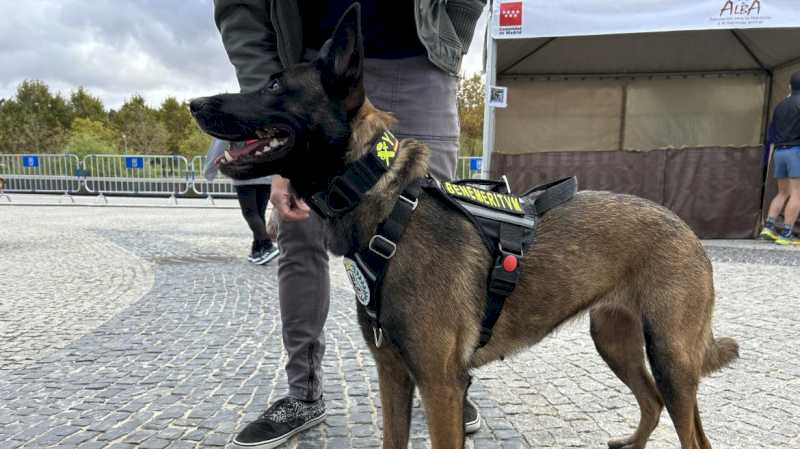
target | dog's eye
[{"x": 274, "y": 86}]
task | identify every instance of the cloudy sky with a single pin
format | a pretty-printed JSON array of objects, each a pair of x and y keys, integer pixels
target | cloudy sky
[{"x": 117, "y": 48}]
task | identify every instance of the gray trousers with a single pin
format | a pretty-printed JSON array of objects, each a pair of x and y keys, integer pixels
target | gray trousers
[{"x": 423, "y": 98}]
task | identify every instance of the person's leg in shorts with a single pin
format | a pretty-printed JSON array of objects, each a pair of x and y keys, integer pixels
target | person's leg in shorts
[{"x": 790, "y": 166}]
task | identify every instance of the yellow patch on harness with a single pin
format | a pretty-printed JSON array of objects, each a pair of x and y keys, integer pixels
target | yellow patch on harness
[
  {"x": 386, "y": 148},
  {"x": 492, "y": 200}
]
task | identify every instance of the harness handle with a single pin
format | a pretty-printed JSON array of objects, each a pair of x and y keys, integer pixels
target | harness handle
[{"x": 500, "y": 186}]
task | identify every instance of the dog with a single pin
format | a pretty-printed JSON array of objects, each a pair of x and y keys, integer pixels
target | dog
[{"x": 636, "y": 268}]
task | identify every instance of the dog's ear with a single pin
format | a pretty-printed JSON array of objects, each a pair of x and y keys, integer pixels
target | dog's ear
[{"x": 342, "y": 61}]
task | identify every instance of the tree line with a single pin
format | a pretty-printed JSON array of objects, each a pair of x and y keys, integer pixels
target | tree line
[
  {"x": 471, "y": 99},
  {"x": 38, "y": 120}
]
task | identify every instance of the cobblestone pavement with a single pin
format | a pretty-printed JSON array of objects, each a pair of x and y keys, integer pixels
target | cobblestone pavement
[{"x": 145, "y": 328}]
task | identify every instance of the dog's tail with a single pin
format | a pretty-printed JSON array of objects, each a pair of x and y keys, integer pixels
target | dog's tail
[{"x": 719, "y": 354}]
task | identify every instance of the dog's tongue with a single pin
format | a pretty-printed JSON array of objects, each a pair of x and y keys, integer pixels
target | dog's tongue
[{"x": 235, "y": 153}]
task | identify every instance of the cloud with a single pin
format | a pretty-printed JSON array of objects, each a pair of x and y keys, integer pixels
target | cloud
[
  {"x": 116, "y": 49},
  {"x": 154, "y": 48}
]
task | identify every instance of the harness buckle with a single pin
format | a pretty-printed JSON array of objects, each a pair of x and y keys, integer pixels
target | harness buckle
[
  {"x": 504, "y": 178},
  {"x": 520, "y": 254},
  {"x": 414, "y": 203},
  {"x": 390, "y": 246},
  {"x": 377, "y": 333}
]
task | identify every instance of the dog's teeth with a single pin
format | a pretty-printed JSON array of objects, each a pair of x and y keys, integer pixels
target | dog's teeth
[
  {"x": 274, "y": 143},
  {"x": 228, "y": 156},
  {"x": 260, "y": 153}
]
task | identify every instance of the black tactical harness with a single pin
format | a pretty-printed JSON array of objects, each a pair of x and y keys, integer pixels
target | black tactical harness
[{"x": 506, "y": 224}]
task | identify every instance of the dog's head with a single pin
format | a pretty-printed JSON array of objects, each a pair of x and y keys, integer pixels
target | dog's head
[{"x": 297, "y": 126}]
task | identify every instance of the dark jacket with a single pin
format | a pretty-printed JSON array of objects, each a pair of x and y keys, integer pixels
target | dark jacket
[
  {"x": 264, "y": 36},
  {"x": 786, "y": 121}
]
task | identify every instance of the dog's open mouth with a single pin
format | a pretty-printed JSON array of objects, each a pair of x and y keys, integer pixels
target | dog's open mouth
[{"x": 271, "y": 143}]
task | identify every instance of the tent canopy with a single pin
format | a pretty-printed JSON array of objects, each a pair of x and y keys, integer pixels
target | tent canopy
[{"x": 651, "y": 53}]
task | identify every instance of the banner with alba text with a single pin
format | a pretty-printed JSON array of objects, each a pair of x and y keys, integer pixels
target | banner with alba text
[{"x": 514, "y": 19}]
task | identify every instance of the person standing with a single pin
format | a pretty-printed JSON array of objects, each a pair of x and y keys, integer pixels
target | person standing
[
  {"x": 786, "y": 123},
  {"x": 253, "y": 196},
  {"x": 413, "y": 54}
]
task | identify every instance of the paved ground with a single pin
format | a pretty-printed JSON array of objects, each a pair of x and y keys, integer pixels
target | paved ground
[{"x": 145, "y": 328}]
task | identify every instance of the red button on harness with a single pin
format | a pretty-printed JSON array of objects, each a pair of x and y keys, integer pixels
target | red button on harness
[{"x": 510, "y": 263}]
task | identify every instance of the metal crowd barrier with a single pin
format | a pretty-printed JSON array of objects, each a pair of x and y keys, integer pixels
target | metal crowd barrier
[
  {"x": 220, "y": 187},
  {"x": 139, "y": 174},
  {"x": 129, "y": 174},
  {"x": 40, "y": 173},
  {"x": 469, "y": 167}
]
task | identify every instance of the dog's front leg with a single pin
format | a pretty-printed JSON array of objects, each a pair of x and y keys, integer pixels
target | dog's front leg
[
  {"x": 397, "y": 392},
  {"x": 443, "y": 399}
]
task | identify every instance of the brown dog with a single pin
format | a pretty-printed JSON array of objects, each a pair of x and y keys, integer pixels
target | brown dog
[{"x": 638, "y": 270}]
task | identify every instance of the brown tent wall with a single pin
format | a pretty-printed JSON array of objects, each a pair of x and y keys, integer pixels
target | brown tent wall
[{"x": 715, "y": 190}]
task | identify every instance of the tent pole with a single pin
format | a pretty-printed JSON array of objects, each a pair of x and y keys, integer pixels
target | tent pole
[
  {"x": 527, "y": 55},
  {"x": 488, "y": 111},
  {"x": 769, "y": 89},
  {"x": 749, "y": 50},
  {"x": 788, "y": 63}
]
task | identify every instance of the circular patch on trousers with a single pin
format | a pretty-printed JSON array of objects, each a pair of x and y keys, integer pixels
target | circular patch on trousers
[{"x": 358, "y": 280}]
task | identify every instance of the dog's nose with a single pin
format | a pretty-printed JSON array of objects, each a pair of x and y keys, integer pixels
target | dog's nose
[{"x": 197, "y": 104}]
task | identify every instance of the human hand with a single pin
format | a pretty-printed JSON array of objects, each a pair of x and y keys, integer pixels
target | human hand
[{"x": 289, "y": 207}]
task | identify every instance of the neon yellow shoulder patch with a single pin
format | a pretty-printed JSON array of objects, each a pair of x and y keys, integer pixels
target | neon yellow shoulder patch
[
  {"x": 385, "y": 148},
  {"x": 498, "y": 201}
]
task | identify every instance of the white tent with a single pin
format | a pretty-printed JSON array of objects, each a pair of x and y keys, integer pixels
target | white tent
[{"x": 666, "y": 99}]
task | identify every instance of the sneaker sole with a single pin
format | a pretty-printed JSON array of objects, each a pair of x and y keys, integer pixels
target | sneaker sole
[
  {"x": 268, "y": 258},
  {"x": 275, "y": 442},
  {"x": 768, "y": 236},
  {"x": 472, "y": 426}
]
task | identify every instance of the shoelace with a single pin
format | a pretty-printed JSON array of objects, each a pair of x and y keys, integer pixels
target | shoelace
[{"x": 270, "y": 411}]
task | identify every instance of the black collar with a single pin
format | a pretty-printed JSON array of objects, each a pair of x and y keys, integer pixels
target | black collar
[{"x": 345, "y": 191}]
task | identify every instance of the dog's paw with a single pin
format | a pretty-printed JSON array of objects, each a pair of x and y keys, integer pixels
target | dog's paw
[{"x": 624, "y": 443}]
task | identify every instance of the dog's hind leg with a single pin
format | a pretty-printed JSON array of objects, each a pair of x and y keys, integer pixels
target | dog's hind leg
[
  {"x": 702, "y": 440},
  {"x": 397, "y": 392},
  {"x": 619, "y": 339},
  {"x": 677, "y": 374}
]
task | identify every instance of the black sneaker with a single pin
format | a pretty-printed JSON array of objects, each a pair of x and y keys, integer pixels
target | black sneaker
[
  {"x": 253, "y": 249},
  {"x": 284, "y": 419},
  {"x": 264, "y": 252},
  {"x": 472, "y": 418}
]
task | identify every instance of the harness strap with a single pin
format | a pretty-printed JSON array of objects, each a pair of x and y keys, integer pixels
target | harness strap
[
  {"x": 552, "y": 194},
  {"x": 373, "y": 260},
  {"x": 346, "y": 190},
  {"x": 512, "y": 240}
]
